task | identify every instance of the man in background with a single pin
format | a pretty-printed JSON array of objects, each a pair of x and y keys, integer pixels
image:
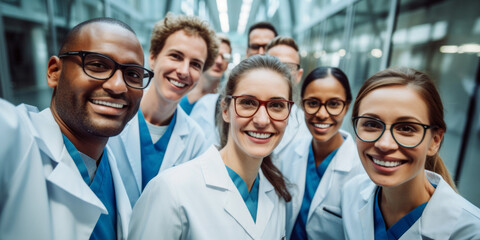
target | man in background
[{"x": 259, "y": 35}]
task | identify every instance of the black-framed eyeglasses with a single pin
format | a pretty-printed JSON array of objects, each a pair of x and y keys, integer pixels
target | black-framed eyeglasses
[
  {"x": 257, "y": 46},
  {"x": 246, "y": 106},
  {"x": 333, "y": 106},
  {"x": 292, "y": 66},
  {"x": 405, "y": 134},
  {"x": 102, "y": 67}
]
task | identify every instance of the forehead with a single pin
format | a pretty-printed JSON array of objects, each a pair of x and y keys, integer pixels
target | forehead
[
  {"x": 325, "y": 88},
  {"x": 262, "y": 84},
  {"x": 189, "y": 44},
  {"x": 394, "y": 102},
  {"x": 224, "y": 48},
  {"x": 109, "y": 39},
  {"x": 261, "y": 35},
  {"x": 284, "y": 53}
]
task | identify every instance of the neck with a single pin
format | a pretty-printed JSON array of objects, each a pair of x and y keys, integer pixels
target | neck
[
  {"x": 245, "y": 166},
  {"x": 396, "y": 202},
  {"x": 157, "y": 110},
  {"x": 322, "y": 149},
  {"x": 86, "y": 143}
]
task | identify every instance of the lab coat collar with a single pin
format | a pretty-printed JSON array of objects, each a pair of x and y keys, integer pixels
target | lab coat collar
[
  {"x": 65, "y": 174},
  {"x": 180, "y": 132},
  {"x": 216, "y": 176},
  {"x": 366, "y": 211},
  {"x": 434, "y": 225}
]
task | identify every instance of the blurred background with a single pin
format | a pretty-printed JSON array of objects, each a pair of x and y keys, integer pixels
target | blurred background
[{"x": 440, "y": 37}]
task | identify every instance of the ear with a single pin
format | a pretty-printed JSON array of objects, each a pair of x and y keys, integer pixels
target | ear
[
  {"x": 54, "y": 70},
  {"x": 151, "y": 61},
  {"x": 225, "y": 113},
  {"x": 437, "y": 141},
  {"x": 299, "y": 76}
]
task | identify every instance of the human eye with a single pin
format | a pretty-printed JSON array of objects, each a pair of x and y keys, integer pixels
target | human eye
[
  {"x": 197, "y": 65},
  {"x": 313, "y": 103},
  {"x": 371, "y": 125},
  {"x": 407, "y": 128},
  {"x": 134, "y": 74},
  {"x": 247, "y": 102},
  {"x": 334, "y": 103},
  {"x": 98, "y": 65},
  {"x": 277, "y": 105},
  {"x": 176, "y": 56}
]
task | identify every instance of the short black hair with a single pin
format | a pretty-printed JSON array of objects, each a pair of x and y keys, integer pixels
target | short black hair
[
  {"x": 73, "y": 33},
  {"x": 258, "y": 25}
]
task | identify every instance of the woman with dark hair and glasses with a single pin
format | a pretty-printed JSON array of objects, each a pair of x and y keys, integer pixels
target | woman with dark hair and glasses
[
  {"x": 321, "y": 162},
  {"x": 408, "y": 194},
  {"x": 235, "y": 192}
]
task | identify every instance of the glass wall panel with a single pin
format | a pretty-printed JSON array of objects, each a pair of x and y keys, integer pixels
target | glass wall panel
[{"x": 443, "y": 39}]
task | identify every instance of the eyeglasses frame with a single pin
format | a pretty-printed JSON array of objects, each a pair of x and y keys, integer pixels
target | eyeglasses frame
[
  {"x": 425, "y": 127},
  {"x": 324, "y": 104},
  {"x": 290, "y": 103},
  {"x": 117, "y": 66}
]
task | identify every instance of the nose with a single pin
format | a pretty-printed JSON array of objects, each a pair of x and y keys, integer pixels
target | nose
[
  {"x": 183, "y": 70},
  {"x": 261, "y": 117},
  {"x": 219, "y": 59},
  {"x": 322, "y": 113},
  {"x": 386, "y": 142},
  {"x": 261, "y": 50},
  {"x": 116, "y": 84}
]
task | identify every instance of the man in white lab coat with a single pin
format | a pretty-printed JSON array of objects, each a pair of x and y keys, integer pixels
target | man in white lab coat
[{"x": 57, "y": 178}]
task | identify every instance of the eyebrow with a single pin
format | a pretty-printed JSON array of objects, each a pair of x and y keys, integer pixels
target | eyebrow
[
  {"x": 399, "y": 119},
  {"x": 272, "y": 98}
]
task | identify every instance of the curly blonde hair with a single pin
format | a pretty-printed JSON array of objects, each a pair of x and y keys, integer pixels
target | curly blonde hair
[{"x": 191, "y": 25}]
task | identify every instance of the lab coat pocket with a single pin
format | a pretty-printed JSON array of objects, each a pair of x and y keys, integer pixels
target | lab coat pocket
[{"x": 334, "y": 212}]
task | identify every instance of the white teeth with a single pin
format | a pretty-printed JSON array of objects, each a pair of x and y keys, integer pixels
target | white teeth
[
  {"x": 386, "y": 163},
  {"x": 320, "y": 125},
  {"x": 178, "y": 84},
  {"x": 109, "y": 104},
  {"x": 259, "y": 135}
]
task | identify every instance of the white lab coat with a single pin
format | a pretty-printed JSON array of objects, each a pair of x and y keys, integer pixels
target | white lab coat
[
  {"x": 73, "y": 208},
  {"x": 446, "y": 216},
  {"x": 295, "y": 130},
  {"x": 204, "y": 114},
  {"x": 198, "y": 200},
  {"x": 187, "y": 142},
  {"x": 344, "y": 166}
]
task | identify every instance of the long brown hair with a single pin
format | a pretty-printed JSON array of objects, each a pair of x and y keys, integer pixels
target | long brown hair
[
  {"x": 255, "y": 62},
  {"x": 424, "y": 86}
]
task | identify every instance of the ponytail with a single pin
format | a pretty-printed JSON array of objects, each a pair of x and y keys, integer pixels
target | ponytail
[
  {"x": 435, "y": 164},
  {"x": 275, "y": 177}
]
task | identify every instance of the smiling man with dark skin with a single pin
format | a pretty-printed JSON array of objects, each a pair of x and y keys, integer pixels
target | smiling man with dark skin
[{"x": 72, "y": 178}]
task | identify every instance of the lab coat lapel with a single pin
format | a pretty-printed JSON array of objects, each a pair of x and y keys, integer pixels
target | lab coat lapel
[
  {"x": 176, "y": 145},
  {"x": 216, "y": 177},
  {"x": 266, "y": 199},
  {"x": 65, "y": 174},
  {"x": 130, "y": 139},
  {"x": 341, "y": 162},
  {"x": 299, "y": 164},
  {"x": 365, "y": 214},
  {"x": 124, "y": 209}
]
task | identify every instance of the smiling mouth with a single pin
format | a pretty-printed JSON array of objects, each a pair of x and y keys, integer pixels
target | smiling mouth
[
  {"x": 388, "y": 164},
  {"x": 259, "y": 135},
  {"x": 108, "y": 104},
  {"x": 322, "y": 125},
  {"x": 177, "y": 83}
]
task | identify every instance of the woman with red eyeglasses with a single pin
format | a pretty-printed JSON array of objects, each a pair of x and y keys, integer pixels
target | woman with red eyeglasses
[
  {"x": 235, "y": 192},
  {"x": 319, "y": 164},
  {"x": 408, "y": 194}
]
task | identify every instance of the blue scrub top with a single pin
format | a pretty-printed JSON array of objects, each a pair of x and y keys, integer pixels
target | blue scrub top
[
  {"x": 399, "y": 228},
  {"x": 186, "y": 105},
  {"x": 312, "y": 180},
  {"x": 250, "y": 198},
  {"x": 102, "y": 185},
  {"x": 152, "y": 154}
]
